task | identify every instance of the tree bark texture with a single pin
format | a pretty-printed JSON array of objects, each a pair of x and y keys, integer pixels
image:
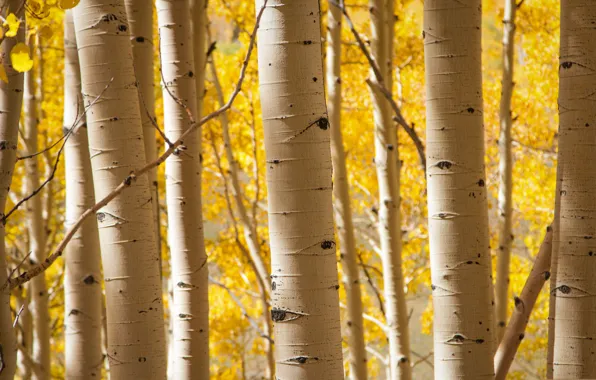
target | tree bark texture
[
  {"x": 304, "y": 297},
  {"x": 457, "y": 205}
]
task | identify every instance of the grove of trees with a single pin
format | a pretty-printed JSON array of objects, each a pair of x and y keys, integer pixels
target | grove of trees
[{"x": 297, "y": 189}]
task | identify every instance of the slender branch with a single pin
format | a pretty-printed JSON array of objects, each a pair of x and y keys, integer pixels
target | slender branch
[
  {"x": 127, "y": 182},
  {"x": 514, "y": 332},
  {"x": 372, "y": 285},
  {"x": 379, "y": 85},
  {"x": 253, "y": 323},
  {"x": 72, "y": 129}
]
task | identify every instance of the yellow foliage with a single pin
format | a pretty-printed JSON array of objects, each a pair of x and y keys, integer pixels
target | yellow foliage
[
  {"x": 21, "y": 60},
  {"x": 12, "y": 22}
]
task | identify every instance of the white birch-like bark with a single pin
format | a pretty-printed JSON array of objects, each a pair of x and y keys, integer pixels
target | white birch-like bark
[
  {"x": 83, "y": 358},
  {"x": 304, "y": 298},
  {"x": 134, "y": 308},
  {"x": 183, "y": 182},
  {"x": 341, "y": 204},
  {"x": 457, "y": 205},
  {"x": 505, "y": 201},
  {"x": 38, "y": 307},
  {"x": 388, "y": 177},
  {"x": 11, "y": 98},
  {"x": 575, "y": 287},
  {"x": 140, "y": 21}
]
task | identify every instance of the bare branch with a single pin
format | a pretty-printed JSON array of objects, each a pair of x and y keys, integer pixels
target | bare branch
[
  {"x": 42, "y": 267},
  {"x": 514, "y": 332},
  {"x": 379, "y": 85}
]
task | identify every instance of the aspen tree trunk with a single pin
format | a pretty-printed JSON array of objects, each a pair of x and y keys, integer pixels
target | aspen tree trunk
[
  {"x": 25, "y": 340},
  {"x": 250, "y": 228},
  {"x": 183, "y": 183},
  {"x": 575, "y": 308},
  {"x": 11, "y": 98},
  {"x": 505, "y": 201},
  {"x": 388, "y": 177},
  {"x": 40, "y": 312},
  {"x": 136, "y": 347},
  {"x": 457, "y": 206},
  {"x": 82, "y": 288},
  {"x": 305, "y": 305},
  {"x": 341, "y": 203},
  {"x": 140, "y": 22}
]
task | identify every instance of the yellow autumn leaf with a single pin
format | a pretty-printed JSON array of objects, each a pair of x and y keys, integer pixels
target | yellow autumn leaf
[
  {"x": 19, "y": 55},
  {"x": 68, "y": 4},
  {"x": 12, "y": 22},
  {"x": 45, "y": 32},
  {"x": 3, "y": 75}
]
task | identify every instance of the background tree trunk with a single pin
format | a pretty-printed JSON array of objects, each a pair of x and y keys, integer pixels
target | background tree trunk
[
  {"x": 457, "y": 206},
  {"x": 39, "y": 309},
  {"x": 11, "y": 98},
  {"x": 305, "y": 305},
  {"x": 140, "y": 22},
  {"x": 82, "y": 287},
  {"x": 575, "y": 313},
  {"x": 126, "y": 225},
  {"x": 388, "y": 177},
  {"x": 505, "y": 201},
  {"x": 183, "y": 183},
  {"x": 341, "y": 205}
]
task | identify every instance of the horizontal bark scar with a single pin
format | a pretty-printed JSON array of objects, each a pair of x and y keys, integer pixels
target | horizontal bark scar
[
  {"x": 321, "y": 122},
  {"x": 280, "y": 315},
  {"x": 299, "y": 360}
]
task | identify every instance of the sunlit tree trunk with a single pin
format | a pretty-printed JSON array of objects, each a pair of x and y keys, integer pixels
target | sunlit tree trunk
[
  {"x": 343, "y": 212},
  {"x": 82, "y": 288},
  {"x": 11, "y": 98},
  {"x": 140, "y": 22},
  {"x": 388, "y": 177},
  {"x": 457, "y": 205},
  {"x": 40, "y": 312},
  {"x": 25, "y": 338},
  {"x": 249, "y": 227},
  {"x": 505, "y": 170},
  {"x": 305, "y": 306},
  {"x": 575, "y": 308},
  {"x": 183, "y": 183},
  {"x": 136, "y": 347}
]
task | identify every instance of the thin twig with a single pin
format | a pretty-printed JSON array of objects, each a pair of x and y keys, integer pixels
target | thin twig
[
  {"x": 57, "y": 161},
  {"x": 127, "y": 182},
  {"x": 379, "y": 85}
]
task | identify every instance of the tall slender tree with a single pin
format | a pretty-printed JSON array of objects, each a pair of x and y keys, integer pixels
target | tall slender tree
[
  {"x": 305, "y": 307},
  {"x": 39, "y": 309},
  {"x": 82, "y": 287},
  {"x": 249, "y": 226},
  {"x": 457, "y": 205},
  {"x": 135, "y": 326},
  {"x": 388, "y": 177},
  {"x": 11, "y": 99},
  {"x": 505, "y": 201},
  {"x": 183, "y": 182},
  {"x": 575, "y": 307},
  {"x": 354, "y": 326}
]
